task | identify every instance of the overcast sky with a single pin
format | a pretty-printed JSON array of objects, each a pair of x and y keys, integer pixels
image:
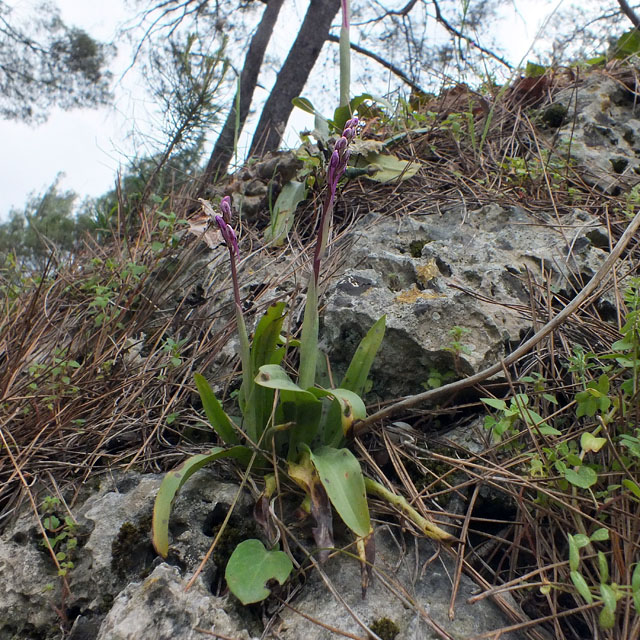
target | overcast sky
[{"x": 89, "y": 146}]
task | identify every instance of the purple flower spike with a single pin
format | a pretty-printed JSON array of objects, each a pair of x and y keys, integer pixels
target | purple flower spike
[
  {"x": 333, "y": 172},
  {"x": 352, "y": 123},
  {"x": 229, "y": 236},
  {"x": 225, "y": 207},
  {"x": 341, "y": 143}
]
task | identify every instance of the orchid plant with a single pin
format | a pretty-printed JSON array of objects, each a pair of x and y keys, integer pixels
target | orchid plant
[
  {"x": 304, "y": 424},
  {"x": 300, "y": 426}
]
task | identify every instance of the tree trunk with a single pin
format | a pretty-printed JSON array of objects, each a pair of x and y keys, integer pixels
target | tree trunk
[
  {"x": 293, "y": 75},
  {"x": 224, "y": 147}
]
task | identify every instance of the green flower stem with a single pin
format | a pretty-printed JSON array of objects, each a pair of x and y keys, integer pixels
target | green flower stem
[
  {"x": 428, "y": 528},
  {"x": 323, "y": 238},
  {"x": 245, "y": 356},
  {"x": 309, "y": 338}
]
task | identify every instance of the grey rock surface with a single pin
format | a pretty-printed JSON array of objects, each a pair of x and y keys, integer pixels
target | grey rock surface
[
  {"x": 25, "y": 595},
  {"x": 412, "y": 588},
  {"x": 114, "y": 526},
  {"x": 120, "y": 590},
  {"x": 602, "y": 131},
  {"x": 159, "y": 607},
  {"x": 468, "y": 269}
]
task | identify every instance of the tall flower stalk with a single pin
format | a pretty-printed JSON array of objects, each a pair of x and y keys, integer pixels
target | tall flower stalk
[
  {"x": 310, "y": 324},
  {"x": 230, "y": 239},
  {"x": 335, "y": 171}
]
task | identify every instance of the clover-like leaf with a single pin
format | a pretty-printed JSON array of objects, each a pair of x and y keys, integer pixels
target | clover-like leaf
[
  {"x": 584, "y": 477},
  {"x": 589, "y": 442},
  {"x": 251, "y": 566}
]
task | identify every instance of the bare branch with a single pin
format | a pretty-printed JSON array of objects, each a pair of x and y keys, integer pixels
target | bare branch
[
  {"x": 452, "y": 30},
  {"x": 630, "y": 13}
]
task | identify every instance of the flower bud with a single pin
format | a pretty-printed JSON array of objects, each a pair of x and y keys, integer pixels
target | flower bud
[
  {"x": 352, "y": 123},
  {"x": 229, "y": 236},
  {"x": 341, "y": 143},
  {"x": 225, "y": 207}
]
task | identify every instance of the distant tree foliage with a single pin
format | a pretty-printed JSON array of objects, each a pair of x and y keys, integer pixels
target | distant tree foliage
[
  {"x": 147, "y": 176},
  {"x": 45, "y": 227},
  {"x": 184, "y": 75},
  {"x": 44, "y": 64}
]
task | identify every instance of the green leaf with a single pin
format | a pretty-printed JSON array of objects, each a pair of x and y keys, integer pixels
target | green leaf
[
  {"x": 275, "y": 377},
  {"x": 574, "y": 554},
  {"x": 603, "y": 567},
  {"x": 589, "y": 442},
  {"x": 628, "y": 44},
  {"x": 607, "y": 618},
  {"x": 388, "y": 167},
  {"x": 534, "y": 70},
  {"x": 345, "y": 410},
  {"x": 304, "y": 410},
  {"x": 632, "y": 486},
  {"x": 172, "y": 483},
  {"x": 321, "y": 124},
  {"x": 292, "y": 194},
  {"x": 608, "y": 597},
  {"x": 584, "y": 477},
  {"x": 216, "y": 415},
  {"x": 266, "y": 350},
  {"x": 296, "y": 405},
  {"x": 352, "y": 407},
  {"x": 495, "y": 403},
  {"x": 266, "y": 338},
  {"x": 596, "y": 60},
  {"x": 309, "y": 338},
  {"x": 304, "y": 104},
  {"x": 356, "y": 376},
  {"x": 635, "y": 579},
  {"x": 581, "y": 586},
  {"x": 600, "y": 535},
  {"x": 635, "y": 588},
  {"x": 251, "y": 566},
  {"x": 342, "y": 479},
  {"x": 573, "y": 459},
  {"x": 534, "y": 420},
  {"x": 581, "y": 540},
  {"x": 547, "y": 430},
  {"x": 344, "y": 112}
]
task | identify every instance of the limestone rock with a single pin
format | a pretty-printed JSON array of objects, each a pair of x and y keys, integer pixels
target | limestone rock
[
  {"x": 602, "y": 131},
  {"x": 466, "y": 269},
  {"x": 410, "y": 578},
  {"x": 159, "y": 607}
]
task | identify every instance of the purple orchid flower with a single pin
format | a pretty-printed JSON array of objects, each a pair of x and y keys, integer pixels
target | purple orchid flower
[
  {"x": 335, "y": 171},
  {"x": 224, "y": 222}
]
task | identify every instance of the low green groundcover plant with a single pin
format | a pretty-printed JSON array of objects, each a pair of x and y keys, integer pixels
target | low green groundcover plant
[{"x": 587, "y": 473}]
